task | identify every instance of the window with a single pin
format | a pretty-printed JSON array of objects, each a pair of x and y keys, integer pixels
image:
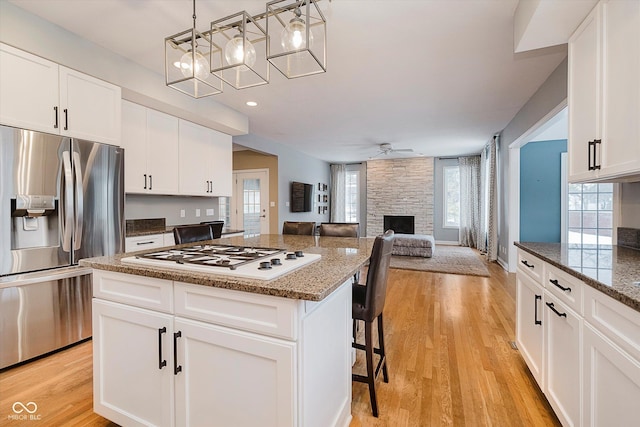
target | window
[
  {"x": 590, "y": 216},
  {"x": 451, "y": 180},
  {"x": 352, "y": 196},
  {"x": 224, "y": 210}
]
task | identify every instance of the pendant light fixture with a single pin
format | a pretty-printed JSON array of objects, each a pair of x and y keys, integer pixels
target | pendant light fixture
[
  {"x": 299, "y": 49},
  {"x": 187, "y": 62},
  {"x": 244, "y": 63}
]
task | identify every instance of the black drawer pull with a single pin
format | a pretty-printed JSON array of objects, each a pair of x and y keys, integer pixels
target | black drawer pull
[
  {"x": 148, "y": 242},
  {"x": 176, "y": 368},
  {"x": 145, "y": 181},
  {"x": 150, "y": 182},
  {"x": 524, "y": 261},
  {"x": 66, "y": 119},
  {"x": 535, "y": 311},
  {"x": 55, "y": 109},
  {"x": 555, "y": 282},
  {"x": 161, "y": 362},
  {"x": 551, "y": 306}
]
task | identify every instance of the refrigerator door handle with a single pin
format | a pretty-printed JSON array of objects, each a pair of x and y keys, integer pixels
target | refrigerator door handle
[
  {"x": 79, "y": 211},
  {"x": 67, "y": 202}
]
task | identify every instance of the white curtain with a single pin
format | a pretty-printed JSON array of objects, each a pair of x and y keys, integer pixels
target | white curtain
[
  {"x": 337, "y": 211},
  {"x": 469, "y": 201},
  {"x": 491, "y": 226}
]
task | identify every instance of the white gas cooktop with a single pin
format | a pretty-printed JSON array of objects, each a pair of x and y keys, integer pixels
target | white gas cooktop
[{"x": 236, "y": 261}]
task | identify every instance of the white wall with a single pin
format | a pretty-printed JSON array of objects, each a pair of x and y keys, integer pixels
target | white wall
[
  {"x": 33, "y": 34},
  {"x": 630, "y": 205}
]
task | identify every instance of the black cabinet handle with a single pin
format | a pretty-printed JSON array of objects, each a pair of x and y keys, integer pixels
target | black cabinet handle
[
  {"x": 161, "y": 362},
  {"x": 150, "y": 182},
  {"x": 55, "y": 110},
  {"x": 589, "y": 148},
  {"x": 593, "y": 164},
  {"x": 145, "y": 181},
  {"x": 524, "y": 261},
  {"x": 176, "y": 368},
  {"x": 66, "y": 119},
  {"x": 555, "y": 282},
  {"x": 535, "y": 315},
  {"x": 551, "y": 306}
]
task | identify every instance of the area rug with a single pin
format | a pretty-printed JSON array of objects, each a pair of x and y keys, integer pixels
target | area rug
[{"x": 446, "y": 259}]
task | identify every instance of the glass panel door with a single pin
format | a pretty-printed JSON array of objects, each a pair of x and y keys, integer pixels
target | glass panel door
[{"x": 251, "y": 195}]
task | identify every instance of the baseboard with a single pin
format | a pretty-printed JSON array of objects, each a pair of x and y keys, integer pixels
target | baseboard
[
  {"x": 503, "y": 264},
  {"x": 447, "y": 243}
]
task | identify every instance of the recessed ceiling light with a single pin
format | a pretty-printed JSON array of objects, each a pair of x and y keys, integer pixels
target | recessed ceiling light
[{"x": 252, "y": 103}]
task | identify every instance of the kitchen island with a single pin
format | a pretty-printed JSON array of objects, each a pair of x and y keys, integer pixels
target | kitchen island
[{"x": 174, "y": 347}]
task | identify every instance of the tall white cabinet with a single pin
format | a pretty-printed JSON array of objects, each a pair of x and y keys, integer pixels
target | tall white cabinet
[
  {"x": 604, "y": 94},
  {"x": 41, "y": 95},
  {"x": 176, "y": 354}
]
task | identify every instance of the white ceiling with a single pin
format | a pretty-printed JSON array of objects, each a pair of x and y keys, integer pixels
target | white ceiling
[{"x": 438, "y": 76}]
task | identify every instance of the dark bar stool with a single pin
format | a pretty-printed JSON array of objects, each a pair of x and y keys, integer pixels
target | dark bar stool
[
  {"x": 340, "y": 229},
  {"x": 192, "y": 233},
  {"x": 299, "y": 228},
  {"x": 368, "y": 302},
  {"x": 216, "y": 228}
]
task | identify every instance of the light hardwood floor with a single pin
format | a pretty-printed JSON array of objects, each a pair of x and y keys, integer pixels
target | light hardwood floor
[{"x": 449, "y": 357}]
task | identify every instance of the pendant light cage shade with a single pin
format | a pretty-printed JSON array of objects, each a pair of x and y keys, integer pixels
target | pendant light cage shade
[
  {"x": 297, "y": 37},
  {"x": 243, "y": 62},
  {"x": 187, "y": 63}
]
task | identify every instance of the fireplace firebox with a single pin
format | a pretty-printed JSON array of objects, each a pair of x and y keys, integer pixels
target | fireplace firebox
[{"x": 399, "y": 223}]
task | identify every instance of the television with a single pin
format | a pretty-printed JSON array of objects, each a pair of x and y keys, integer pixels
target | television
[{"x": 301, "y": 196}]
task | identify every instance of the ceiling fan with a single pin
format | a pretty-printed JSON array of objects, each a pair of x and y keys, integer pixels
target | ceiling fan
[{"x": 386, "y": 149}]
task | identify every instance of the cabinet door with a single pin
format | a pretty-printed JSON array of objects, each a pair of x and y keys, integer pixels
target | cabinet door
[
  {"x": 222, "y": 171},
  {"x": 529, "y": 329},
  {"x": 563, "y": 355},
  {"x": 29, "y": 88},
  {"x": 162, "y": 152},
  {"x": 196, "y": 159},
  {"x": 621, "y": 91},
  {"x": 584, "y": 93},
  {"x": 90, "y": 108},
  {"x": 612, "y": 383},
  {"x": 130, "y": 384},
  {"x": 134, "y": 142},
  {"x": 233, "y": 378}
]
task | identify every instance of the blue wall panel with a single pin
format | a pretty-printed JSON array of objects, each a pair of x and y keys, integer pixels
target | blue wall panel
[{"x": 540, "y": 191}]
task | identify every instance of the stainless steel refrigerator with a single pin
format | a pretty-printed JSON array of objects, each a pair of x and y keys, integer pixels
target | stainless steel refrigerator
[{"x": 61, "y": 200}]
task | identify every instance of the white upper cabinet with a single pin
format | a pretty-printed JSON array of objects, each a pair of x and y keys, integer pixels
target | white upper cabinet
[
  {"x": 205, "y": 161},
  {"x": 167, "y": 155},
  {"x": 150, "y": 140},
  {"x": 604, "y": 94},
  {"x": 90, "y": 107},
  {"x": 41, "y": 95},
  {"x": 29, "y": 88}
]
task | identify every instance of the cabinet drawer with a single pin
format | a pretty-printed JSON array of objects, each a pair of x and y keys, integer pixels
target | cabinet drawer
[
  {"x": 241, "y": 310},
  {"x": 567, "y": 288},
  {"x": 531, "y": 265},
  {"x": 138, "y": 291},
  {"x": 616, "y": 321},
  {"x": 140, "y": 243}
]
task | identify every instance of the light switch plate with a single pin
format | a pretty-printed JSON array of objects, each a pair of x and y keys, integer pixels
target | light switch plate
[
  {"x": 182, "y": 213},
  {"x": 197, "y": 213},
  {"x": 209, "y": 212},
  {"x": 272, "y": 204}
]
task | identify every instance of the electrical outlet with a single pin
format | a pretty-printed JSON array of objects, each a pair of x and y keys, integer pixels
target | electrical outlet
[
  {"x": 286, "y": 204},
  {"x": 197, "y": 213},
  {"x": 210, "y": 212},
  {"x": 272, "y": 204},
  {"x": 182, "y": 213}
]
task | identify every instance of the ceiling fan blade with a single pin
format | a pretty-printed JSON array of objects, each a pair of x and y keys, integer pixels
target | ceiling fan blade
[{"x": 403, "y": 150}]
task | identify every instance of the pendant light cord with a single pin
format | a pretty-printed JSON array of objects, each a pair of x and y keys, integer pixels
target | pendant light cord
[{"x": 194, "y": 14}]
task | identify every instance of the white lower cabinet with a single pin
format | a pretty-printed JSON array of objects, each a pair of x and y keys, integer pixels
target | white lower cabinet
[
  {"x": 563, "y": 354},
  {"x": 232, "y": 378},
  {"x": 218, "y": 356},
  {"x": 529, "y": 330},
  {"x": 611, "y": 383},
  {"x": 586, "y": 354},
  {"x": 132, "y": 365}
]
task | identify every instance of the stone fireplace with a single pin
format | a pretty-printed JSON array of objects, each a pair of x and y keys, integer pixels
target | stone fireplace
[{"x": 403, "y": 188}]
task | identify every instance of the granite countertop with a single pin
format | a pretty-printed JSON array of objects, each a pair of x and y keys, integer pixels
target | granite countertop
[
  {"x": 613, "y": 270},
  {"x": 149, "y": 226},
  {"x": 341, "y": 258}
]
